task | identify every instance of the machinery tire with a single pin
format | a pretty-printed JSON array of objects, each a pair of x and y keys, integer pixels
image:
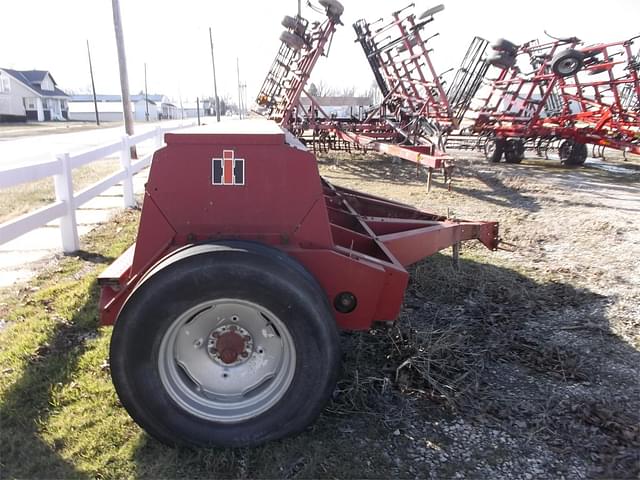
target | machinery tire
[
  {"x": 292, "y": 40},
  {"x": 503, "y": 45},
  {"x": 166, "y": 363},
  {"x": 514, "y": 150},
  {"x": 431, "y": 12},
  {"x": 291, "y": 23},
  {"x": 567, "y": 63},
  {"x": 502, "y": 60},
  {"x": 493, "y": 149},
  {"x": 334, "y": 7},
  {"x": 572, "y": 153}
]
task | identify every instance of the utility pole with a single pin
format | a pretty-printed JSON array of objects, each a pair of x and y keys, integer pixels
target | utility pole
[
  {"x": 93, "y": 86},
  {"x": 215, "y": 86},
  {"x": 299, "y": 8},
  {"x": 239, "y": 89},
  {"x": 124, "y": 76},
  {"x": 146, "y": 92},
  {"x": 198, "y": 107}
]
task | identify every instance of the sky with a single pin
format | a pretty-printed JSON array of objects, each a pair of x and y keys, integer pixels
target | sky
[{"x": 172, "y": 37}]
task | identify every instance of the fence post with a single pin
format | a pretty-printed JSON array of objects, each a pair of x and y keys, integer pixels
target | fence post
[
  {"x": 63, "y": 183},
  {"x": 127, "y": 182},
  {"x": 159, "y": 138}
]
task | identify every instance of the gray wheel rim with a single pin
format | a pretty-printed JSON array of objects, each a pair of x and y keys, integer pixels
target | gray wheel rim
[
  {"x": 201, "y": 375},
  {"x": 568, "y": 66}
]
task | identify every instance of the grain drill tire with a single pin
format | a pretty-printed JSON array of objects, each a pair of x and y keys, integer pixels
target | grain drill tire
[
  {"x": 228, "y": 344},
  {"x": 292, "y": 40}
]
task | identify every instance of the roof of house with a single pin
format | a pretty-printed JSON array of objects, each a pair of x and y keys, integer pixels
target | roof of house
[
  {"x": 153, "y": 99},
  {"x": 33, "y": 79},
  {"x": 338, "y": 101}
]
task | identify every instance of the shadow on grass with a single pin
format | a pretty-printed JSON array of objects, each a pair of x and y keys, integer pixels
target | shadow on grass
[
  {"x": 485, "y": 344},
  {"x": 27, "y": 404}
]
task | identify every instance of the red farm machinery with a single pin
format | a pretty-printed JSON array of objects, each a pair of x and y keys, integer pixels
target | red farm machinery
[
  {"x": 560, "y": 95},
  {"x": 226, "y": 310},
  {"x": 415, "y": 111}
]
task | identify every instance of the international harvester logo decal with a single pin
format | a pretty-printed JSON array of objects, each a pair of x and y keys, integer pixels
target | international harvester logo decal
[{"x": 227, "y": 170}]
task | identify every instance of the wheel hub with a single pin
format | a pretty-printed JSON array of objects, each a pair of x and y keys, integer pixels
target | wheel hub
[{"x": 230, "y": 345}]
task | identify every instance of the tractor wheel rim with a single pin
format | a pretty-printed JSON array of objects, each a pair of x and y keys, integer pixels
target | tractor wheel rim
[
  {"x": 568, "y": 66},
  {"x": 227, "y": 360}
]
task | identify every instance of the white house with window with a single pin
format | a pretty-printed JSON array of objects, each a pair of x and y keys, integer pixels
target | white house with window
[{"x": 31, "y": 95}]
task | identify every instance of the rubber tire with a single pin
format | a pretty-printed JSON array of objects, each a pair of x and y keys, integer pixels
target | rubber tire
[
  {"x": 290, "y": 22},
  {"x": 243, "y": 270},
  {"x": 334, "y": 7},
  {"x": 570, "y": 54},
  {"x": 514, "y": 150},
  {"x": 431, "y": 11},
  {"x": 292, "y": 40},
  {"x": 494, "y": 155},
  {"x": 502, "y": 60},
  {"x": 504, "y": 45},
  {"x": 573, "y": 154}
]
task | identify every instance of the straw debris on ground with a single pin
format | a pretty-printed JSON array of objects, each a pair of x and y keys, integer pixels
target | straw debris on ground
[{"x": 518, "y": 364}]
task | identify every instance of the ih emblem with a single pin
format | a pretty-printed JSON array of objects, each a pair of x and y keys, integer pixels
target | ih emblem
[{"x": 227, "y": 170}]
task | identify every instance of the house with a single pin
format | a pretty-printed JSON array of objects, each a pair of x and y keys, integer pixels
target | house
[
  {"x": 162, "y": 107},
  {"x": 110, "y": 108},
  {"x": 340, "y": 107},
  {"x": 31, "y": 95}
]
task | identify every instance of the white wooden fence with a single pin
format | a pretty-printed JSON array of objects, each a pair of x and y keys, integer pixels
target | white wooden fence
[{"x": 61, "y": 168}]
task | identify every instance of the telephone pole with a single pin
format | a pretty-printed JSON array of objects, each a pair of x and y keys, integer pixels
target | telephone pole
[
  {"x": 146, "y": 93},
  {"x": 215, "y": 86},
  {"x": 124, "y": 76},
  {"x": 93, "y": 86},
  {"x": 239, "y": 89}
]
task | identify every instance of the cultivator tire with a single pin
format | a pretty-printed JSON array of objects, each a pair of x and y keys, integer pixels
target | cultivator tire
[
  {"x": 291, "y": 23},
  {"x": 292, "y": 40},
  {"x": 493, "y": 149},
  {"x": 572, "y": 153},
  {"x": 431, "y": 12},
  {"x": 227, "y": 344},
  {"x": 514, "y": 151},
  {"x": 503, "y": 45},
  {"x": 333, "y": 7},
  {"x": 502, "y": 60},
  {"x": 567, "y": 63}
]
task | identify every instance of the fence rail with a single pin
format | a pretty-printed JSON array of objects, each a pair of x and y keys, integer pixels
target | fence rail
[{"x": 67, "y": 201}]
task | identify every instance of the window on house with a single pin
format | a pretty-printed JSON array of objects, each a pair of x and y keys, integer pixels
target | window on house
[
  {"x": 30, "y": 104},
  {"x": 5, "y": 85}
]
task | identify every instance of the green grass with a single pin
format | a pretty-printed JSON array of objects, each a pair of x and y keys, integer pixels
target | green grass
[{"x": 60, "y": 416}]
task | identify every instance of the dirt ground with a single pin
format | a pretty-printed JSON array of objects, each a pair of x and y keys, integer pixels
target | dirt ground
[{"x": 523, "y": 363}]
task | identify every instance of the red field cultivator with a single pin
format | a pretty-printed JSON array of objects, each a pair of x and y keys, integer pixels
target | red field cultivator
[
  {"x": 414, "y": 113},
  {"x": 246, "y": 265},
  {"x": 564, "y": 93}
]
